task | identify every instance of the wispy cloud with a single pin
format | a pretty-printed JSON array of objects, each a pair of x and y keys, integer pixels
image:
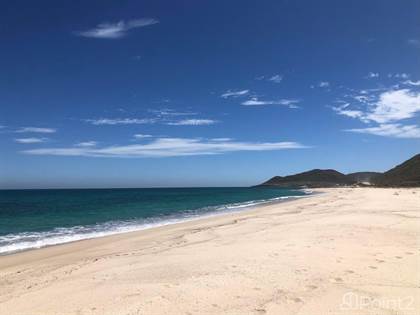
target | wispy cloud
[
  {"x": 169, "y": 147},
  {"x": 30, "y": 140},
  {"x": 372, "y": 75},
  {"x": 321, "y": 84},
  {"x": 257, "y": 102},
  {"x": 171, "y": 112},
  {"x": 395, "y": 105},
  {"x": 35, "y": 130},
  {"x": 86, "y": 144},
  {"x": 402, "y": 75},
  {"x": 390, "y": 106},
  {"x": 391, "y": 130},
  {"x": 410, "y": 82},
  {"x": 164, "y": 117},
  {"x": 343, "y": 110},
  {"x": 116, "y": 30},
  {"x": 142, "y": 136},
  {"x": 193, "y": 122},
  {"x": 234, "y": 93},
  {"x": 277, "y": 78},
  {"x": 385, "y": 108},
  {"x": 120, "y": 121}
]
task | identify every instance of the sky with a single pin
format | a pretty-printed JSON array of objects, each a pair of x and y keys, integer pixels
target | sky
[{"x": 204, "y": 93}]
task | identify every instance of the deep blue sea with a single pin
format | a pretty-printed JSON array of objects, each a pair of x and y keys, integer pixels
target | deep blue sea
[{"x": 37, "y": 218}]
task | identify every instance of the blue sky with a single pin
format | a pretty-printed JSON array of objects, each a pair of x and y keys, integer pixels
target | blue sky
[{"x": 204, "y": 93}]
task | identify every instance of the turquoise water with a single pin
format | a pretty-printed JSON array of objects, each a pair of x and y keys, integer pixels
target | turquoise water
[{"x": 37, "y": 218}]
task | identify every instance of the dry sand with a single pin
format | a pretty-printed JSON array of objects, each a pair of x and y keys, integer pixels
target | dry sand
[{"x": 348, "y": 251}]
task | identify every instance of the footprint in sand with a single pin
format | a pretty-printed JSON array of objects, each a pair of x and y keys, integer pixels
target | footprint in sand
[
  {"x": 260, "y": 311},
  {"x": 409, "y": 253},
  {"x": 373, "y": 267},
  {"x": 398, "y": 257},
  {"x": 380, "y": 261},
  {"x": 349, "y": 271}
]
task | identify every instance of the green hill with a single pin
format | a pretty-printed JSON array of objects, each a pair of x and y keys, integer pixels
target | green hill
[
  {"x": 406, "y": 174},
  {"x": 313, "y": 178}
]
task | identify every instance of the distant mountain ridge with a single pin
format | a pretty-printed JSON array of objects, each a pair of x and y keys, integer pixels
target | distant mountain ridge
[
  {"x": 313, "y": 178},
  {"x": 406, "y": 174}
]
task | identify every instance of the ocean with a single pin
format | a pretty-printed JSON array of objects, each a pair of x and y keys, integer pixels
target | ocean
[{"x": 37, "y": 218}]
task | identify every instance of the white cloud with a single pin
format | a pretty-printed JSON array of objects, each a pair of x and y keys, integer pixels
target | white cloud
[
  {"x": 372, "y": 75},
  {"x": 232, "y": 94},
  {"x": 256, "y": 102},
  {"x": 391, "y": 130},
  {"x": 86, "y": 144},
  {"x": 120, "y": 121},
  {"x": 395, "y": 105},
  {"x": 402, "y": 75},
  {"x": 169, "y": 147},
  {"x": 116, "y": 30},
  {"x": 35, "y": 130},
  {"x": 170, "y": 112},
  {"x": 30, "y": 140},
  {"x": 349, "y": 112},
  {"x": 193, "y": 122},
  {"x": 413, "y": 83},
  {"x": 277, "y": 78},
  {"x": 386, "y": 109},
  {"x": 389, "y": 106},
  {"x": 321, "y": 84},
  {"x": 142, "y": 136}
]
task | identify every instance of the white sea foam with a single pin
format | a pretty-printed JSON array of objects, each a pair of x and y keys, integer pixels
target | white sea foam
[{"x": 11, "y": 243}]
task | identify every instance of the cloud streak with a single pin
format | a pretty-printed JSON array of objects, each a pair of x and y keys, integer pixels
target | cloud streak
[
  {"x": 116, "y": 30},
  {"x": 35, "y": 130},
  {"x": 234, "y": 94},
  {"x": 86, "y": 144},
  {"x": 391, "y": 130},
  {"x": 30, "y": 140},
  {"x": 257, "y": 102},
  {"x": 169, "y": 147},
  {"x": 142, "y": 136},
  {"x": 120, "y": 121},
  {"x": 277, "y": 78},
  {"x": 193, "y": 122}
]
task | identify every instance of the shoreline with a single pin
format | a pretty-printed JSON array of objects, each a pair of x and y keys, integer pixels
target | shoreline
[
  {"x": 297, "y": 257},
  {"x": 240, "y": 207}
]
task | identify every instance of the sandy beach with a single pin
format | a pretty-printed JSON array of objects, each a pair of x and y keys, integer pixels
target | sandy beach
[{"x": 345, "y": 251}]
